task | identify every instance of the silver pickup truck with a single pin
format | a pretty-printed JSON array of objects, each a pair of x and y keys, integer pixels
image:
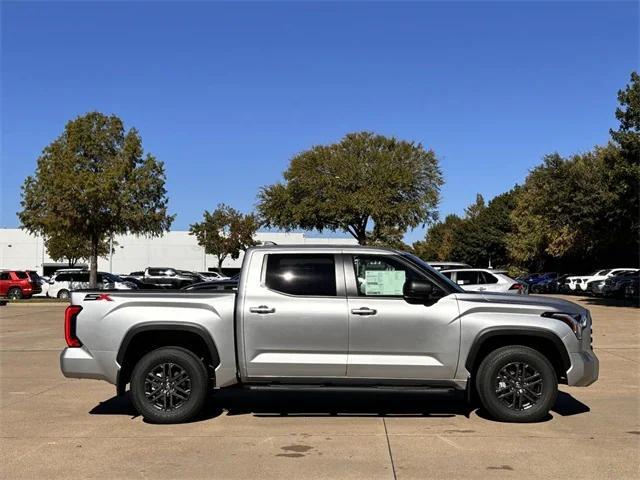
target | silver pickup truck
[{"x": 330, "y": 318}]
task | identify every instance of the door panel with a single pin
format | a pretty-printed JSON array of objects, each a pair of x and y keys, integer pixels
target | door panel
[
  {"x": 296, "y": 335},
  {"x": 397, "y": 340},
  {"x": 403, "y": 340}
]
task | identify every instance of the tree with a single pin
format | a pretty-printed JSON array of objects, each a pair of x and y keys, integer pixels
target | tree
[
  {"x": 362, "y": 182},
  {"x": 481, "y": 237},
  {"x": 94, "y": 181},
  {"x": 64, "y": 245},
  {"x": 475, "y": 209},
  {"x": 579, "y": 212},
  {"x": 438, "y": 244},
  {"x": 225, "y": 232},
  {"x": 477, "y": 239},
  {"x": 628, "y": 114}
]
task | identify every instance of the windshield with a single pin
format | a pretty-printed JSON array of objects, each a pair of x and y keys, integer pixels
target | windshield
[{"x": 418, "y": 262}]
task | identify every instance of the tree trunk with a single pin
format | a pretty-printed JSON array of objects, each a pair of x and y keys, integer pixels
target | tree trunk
[
  {"x": 93, "y": 263},
  {"x": 220, "y": 260},
  {"x": 362, "y": 236}
]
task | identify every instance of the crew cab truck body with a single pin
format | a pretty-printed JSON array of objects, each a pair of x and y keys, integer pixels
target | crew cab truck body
[{"x": 330, "y": 317}]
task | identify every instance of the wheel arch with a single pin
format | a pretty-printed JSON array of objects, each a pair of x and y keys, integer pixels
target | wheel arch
[
  {"x": 544, "y": 341},
  {"x": 142, "y": 338}
]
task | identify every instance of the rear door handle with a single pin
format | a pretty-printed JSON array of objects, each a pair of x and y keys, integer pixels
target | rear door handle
[
  {"x": 262, "y": 309},
  {"x": 364, "y": 311}
]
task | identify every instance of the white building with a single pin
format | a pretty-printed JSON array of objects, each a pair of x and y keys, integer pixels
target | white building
[{"x": 178, "y": 249}]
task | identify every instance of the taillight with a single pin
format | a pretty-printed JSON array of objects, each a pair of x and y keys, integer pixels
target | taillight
[
  {"x": 515, "y": 286},
  {"x": 70, "y": 316}
]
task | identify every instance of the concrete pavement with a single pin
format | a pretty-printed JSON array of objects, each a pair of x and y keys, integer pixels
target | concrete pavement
[{"x": 52, "y": 427}]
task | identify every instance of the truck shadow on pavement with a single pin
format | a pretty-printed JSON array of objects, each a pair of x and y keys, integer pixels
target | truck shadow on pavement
[{"x": 323, "y": 404}]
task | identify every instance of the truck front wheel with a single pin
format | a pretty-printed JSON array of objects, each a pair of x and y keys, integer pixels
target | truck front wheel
[
  {"x": 169, "y": 385},
  {"x": 517, "y": 384}
]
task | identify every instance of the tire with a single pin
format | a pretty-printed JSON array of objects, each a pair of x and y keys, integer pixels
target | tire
[
  {"x": 505, "y": 396},
  {"x": 64, "y": 294},
  {"x": 179, "y": 401},
  {"x": 15, "y": 293}
]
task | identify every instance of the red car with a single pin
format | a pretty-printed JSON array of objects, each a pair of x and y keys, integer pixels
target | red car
[{"x": 18, "y": 284}]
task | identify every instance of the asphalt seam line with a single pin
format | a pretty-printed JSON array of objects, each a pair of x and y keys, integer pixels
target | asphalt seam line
[{"x": 386, "y": 435}]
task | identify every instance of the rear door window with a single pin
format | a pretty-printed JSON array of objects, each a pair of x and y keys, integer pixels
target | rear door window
[
  {"x": 21, "y": 275},
  {"x": 486, "y": 277},
  {"x": 467, "y": 277},
  {"x": 80, "y": 278},
  {"x": 301, "y": 274}
]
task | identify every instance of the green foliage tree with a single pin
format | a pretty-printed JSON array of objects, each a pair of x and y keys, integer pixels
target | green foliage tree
[
  {"x": 438, "y": 244},
  {"x": 94, "y": 181},
  {"x": 225, "y": 232},
  {"x": 476, "y": 239},
  {"x": 579, "y": 212},
  {"x": 628, "y": 114},
  {"x": 66, "y": 246},
  {"x": 475, "y": 209},
  {"x": 582, "y": 212},
  {"x": 367, "y": 184},
  {"x": 481, "y": 238}
]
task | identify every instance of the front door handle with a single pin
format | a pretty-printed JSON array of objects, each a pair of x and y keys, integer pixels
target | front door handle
[
  {"x": 262, "y": 309},
  {"x": 364, "y": 311}
]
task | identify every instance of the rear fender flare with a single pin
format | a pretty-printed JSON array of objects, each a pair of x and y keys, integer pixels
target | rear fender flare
[{"x": 141, "y": 328}]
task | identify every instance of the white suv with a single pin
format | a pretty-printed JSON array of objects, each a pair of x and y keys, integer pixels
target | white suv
[
  {"x": 63, "y": 282},
  {"x": 483, "y": 280}
]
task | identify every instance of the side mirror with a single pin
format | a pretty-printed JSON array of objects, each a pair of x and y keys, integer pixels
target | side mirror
[{"x": 418, "y": 292}]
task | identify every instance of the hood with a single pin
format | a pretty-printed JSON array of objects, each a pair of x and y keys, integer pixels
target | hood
[{"x": 522, "y": 302}]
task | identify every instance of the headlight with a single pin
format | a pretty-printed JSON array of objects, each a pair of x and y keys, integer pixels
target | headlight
[{"x": 576, "y": 321}]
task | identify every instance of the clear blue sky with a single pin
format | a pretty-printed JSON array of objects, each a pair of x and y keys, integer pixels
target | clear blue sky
[{"x": 226, "y": 93}]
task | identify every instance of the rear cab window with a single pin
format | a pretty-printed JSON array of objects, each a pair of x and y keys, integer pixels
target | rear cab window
[{"x": 301, "y": 274}]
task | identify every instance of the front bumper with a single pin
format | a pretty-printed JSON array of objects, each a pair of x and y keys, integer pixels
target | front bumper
[{"x": 584, "y": 370}]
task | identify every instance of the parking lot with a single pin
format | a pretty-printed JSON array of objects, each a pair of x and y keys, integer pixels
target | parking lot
[{"x": 52, "y": 427}]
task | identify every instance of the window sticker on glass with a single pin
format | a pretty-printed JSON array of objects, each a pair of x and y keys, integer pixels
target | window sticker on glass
[{"x": 384, "y": 282}]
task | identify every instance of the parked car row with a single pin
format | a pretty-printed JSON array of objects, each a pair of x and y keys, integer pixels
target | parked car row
[
  {"x": 18, "y": 284},
  {"x": 620, "y": 285},
  {"x": 613, "y": 282}
]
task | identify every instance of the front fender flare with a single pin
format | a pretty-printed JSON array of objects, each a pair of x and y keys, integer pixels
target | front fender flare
[{"x": 535, "y": 332}]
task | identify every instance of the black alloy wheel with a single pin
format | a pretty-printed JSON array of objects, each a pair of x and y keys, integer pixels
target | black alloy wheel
[{"x": 519, "y": 386}]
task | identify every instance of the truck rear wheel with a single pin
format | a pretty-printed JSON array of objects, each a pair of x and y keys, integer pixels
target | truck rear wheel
[
  {"x": 169, "y": 385},
  {"x": 517, "y": 384}
]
